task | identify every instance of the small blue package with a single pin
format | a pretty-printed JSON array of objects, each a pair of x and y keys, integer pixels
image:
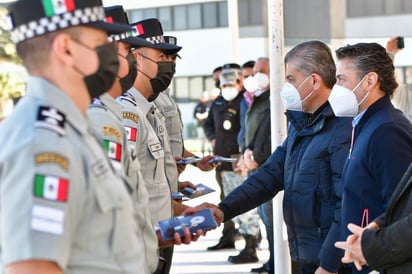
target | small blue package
[{"x": 202, "y": 219}]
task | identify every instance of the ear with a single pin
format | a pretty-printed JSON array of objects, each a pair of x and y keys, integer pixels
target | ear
[
  {"x": 316, "y": 80},
  {"x": 62, "y": 48},
  {"x": 372, "y": 79}
]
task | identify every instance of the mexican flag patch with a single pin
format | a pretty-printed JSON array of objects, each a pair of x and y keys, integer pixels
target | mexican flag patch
[
  {"x": 114, "y": 150},
  {"x": 131, "y": 133},
  {"x": 53, "y": 7},
  {"x": 51, "y": 188}
]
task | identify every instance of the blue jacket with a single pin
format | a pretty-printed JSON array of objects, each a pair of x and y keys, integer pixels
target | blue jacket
[
  {"x": 381, "y": 153},
  {"x": 307, "y": 166}
]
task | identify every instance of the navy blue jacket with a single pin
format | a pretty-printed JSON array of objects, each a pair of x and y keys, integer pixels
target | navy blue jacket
[
  {"x": 382, "y": 151},
  {"x": 307, "y": 166},
  {"x": 389, "y": 247}
]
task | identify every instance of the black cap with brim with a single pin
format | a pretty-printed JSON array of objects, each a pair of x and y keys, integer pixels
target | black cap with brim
[
  {"x": 116, "y": 14},
  {"x": 173, "y": 41},
  {"x": 33, "y": 18},
  {"x": 151, "y": 31}
]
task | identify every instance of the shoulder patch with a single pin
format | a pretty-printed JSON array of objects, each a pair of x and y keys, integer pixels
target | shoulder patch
[
  {"x": 52, "y": 158},
  {"x": 131, "y": 116},
  {"x": 111, "y": 131},
  {"x": 131, "y": 133},
  {"x": 51, "y": 187},
  {"x": 128, "y": 97},
  {"x": 51, "y": 118},
  {"x": 96, "y": 102}
]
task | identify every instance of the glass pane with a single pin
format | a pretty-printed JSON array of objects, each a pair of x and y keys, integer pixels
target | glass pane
[
  {"x": 223, "y": 20},
  {"x": 243, "y": 6},
  {"x": 181, "y": 87},
  {"x": 355, "y": 8},
  {"x": 194, "y": 16},
  {"x": 407, "y": 6},
  {"x": 196, "y": 87},
  {"x": 209, "y": 15},
  {"x": 256, "y": 12},
  {"x": 135, "y": 15},
  {"x": 374, "y": 7},
  {"x": 179, "y": 18},
  {"x": 149, "y": 13},
  {"x": 165, "y": 17}
]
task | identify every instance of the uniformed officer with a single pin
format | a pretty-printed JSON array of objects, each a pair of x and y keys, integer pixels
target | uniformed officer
[
  {"x": 105, "y": 114},
  {"x": 173, "y": 122},
  {"x": 151, "y": 142},
  {"x": 63, "y": 207}
]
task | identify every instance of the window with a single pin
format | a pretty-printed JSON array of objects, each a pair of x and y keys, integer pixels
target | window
[
  {"x": 250, "y": 12},
  {"x": 165, "y": 17},
  {"x": 194, "y": 17},
  {"x": 209, "y": 15},
  {"x": 359, "y": 8},
  {"x": 186, "y": 89}
]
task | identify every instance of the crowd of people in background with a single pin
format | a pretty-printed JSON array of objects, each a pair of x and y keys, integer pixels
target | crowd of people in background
[{"x": 92, "y": 154}]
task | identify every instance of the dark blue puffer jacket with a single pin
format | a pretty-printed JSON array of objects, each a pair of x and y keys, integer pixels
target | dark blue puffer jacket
[{"x": 307, "y": 166}]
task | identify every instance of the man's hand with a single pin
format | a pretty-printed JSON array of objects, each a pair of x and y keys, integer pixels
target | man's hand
[
  {"x": 249, "y": 160},
  {"x": 187, "y": 237},
  {"x": 204, "y": 163},
  {"x": 180, "y": 168},
  {"x": 352, "y": 247},
  {"x": 392, "y": 45},
  {"x": 217, "y": 213},
  {"x": 184, "y": 184}
]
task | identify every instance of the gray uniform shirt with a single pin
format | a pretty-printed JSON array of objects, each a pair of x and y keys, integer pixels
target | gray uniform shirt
[
  {"x": 173, "y": 121},
  {"x": 106, "y": 117},
  {"x": 60, "y": 198},
  {"x": 150, "y": 153}
]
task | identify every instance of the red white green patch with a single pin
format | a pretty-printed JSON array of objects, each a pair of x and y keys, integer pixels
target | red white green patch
[
  {"x": 53, "y": 7},
  {"x": 131, "y": 133},
  {"x": 51, "y": 188},
  {"x": 114, "y": 150}
]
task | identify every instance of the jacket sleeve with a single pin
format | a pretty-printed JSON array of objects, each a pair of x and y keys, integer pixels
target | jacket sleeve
[
  {"x": 388, "y": 246},
  {"x": 209, "y": 125},
  {"x": 261, "y": 143},
  {"x": 258, "y": 188},
  {"x": 330, "y": 256}
]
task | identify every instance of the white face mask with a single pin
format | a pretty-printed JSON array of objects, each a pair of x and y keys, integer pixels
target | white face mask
[
  {"x": 343, "y": 100},
  {"x": 250, "y": 84},
  {"x": 290, "y": 96},
  {"x": 262, "y": 80},
  {"x": 229, "y": 93},
  {"x": 259, "y": 81}
]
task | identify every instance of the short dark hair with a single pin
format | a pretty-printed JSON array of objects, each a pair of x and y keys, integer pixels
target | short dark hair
[
  {"x": 368, "y": 57},
  {"x": 219, "y": 68},
  {"x": 35, "y": 52},
  {"x": 248, "y": 64},
  {"x": 314, "y": 57}
]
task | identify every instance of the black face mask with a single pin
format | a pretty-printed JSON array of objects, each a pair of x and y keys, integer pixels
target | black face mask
[
  {"x": 127, "y": 82},
  {"x": 165, "y": 72},
  {"x": 103, "y": 79},
  {"x": 217, "y": 84}
]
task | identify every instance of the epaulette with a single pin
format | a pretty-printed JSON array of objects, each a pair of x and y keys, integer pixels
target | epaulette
[
  {"x": 51, "y": 118},
  {"x": 96, "y": 102},
  {"x": 128, "y": 97}
]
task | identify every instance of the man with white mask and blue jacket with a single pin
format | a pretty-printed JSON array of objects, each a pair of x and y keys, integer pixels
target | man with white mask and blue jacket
[{"x": 307, "y": 166}]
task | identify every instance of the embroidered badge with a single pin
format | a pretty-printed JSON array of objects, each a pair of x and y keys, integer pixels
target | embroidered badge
[
  {"x": 130, "y": 116},
  {"x": 47, "y": 219},
  {"x": 51, "y": 118},
  {"x": 131, "y": 133},
  {"x": 51, "y": 187},
  {"x": 111, "y": 131},
  {"x": 114, "y": 150},
  {"x": 129, "y": 98},
  {"x": 52, "y": 158}
]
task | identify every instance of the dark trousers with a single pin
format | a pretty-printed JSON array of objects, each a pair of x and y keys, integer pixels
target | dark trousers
[{"x": 167, "y": 254}]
